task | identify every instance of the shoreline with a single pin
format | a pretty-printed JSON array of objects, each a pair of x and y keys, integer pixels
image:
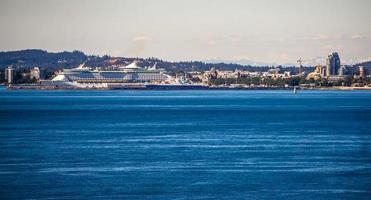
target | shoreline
[{"x": 178, "y": 87}]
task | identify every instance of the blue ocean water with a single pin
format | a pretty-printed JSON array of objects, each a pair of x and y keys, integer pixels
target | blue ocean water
[{"x": 185, "y": 144}]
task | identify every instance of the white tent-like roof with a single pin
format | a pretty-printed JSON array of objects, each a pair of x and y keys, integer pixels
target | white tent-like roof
[
  {"x": 60, "y": 77},
  {"x": 132, "y": 66}
]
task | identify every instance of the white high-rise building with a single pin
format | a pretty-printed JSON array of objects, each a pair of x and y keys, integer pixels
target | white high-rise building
[
  {"x": 36, "y": 73},
  {"x": 9, "y": 75}
]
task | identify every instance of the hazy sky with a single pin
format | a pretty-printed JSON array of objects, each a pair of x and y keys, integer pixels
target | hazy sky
[{"x": 278, "y": 31}]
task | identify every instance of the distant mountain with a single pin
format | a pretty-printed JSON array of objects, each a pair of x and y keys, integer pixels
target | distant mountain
[
  {"x": 314, "y": 61},
  {"x": 240, "y": 62},
  {"x": 36, "y": 57},
  {"x": 309, "y": 62}
]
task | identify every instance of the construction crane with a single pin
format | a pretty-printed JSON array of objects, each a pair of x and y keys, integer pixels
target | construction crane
[{"x": 300, "y": 61}]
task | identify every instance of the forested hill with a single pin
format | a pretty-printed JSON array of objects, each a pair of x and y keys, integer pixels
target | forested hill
[
  {"x": 35, "y": 57},
  {"x": 365, "y": 64},
  {"x": 25, "y": 59}
]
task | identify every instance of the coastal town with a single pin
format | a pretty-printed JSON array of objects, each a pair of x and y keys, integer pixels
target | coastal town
[
  {"x": 185, "y": 99},
  {"x": 136, "y": 75}
]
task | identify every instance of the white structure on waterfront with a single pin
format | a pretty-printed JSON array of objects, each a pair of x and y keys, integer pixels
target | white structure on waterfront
[
  {"x": 36, "y": 73},
  {"x": 131, "y": 73},
  {"x": 9, "y": 75}
]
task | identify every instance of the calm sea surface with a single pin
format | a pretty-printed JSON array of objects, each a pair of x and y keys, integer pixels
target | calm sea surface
[{"x": 185, "y": 144}]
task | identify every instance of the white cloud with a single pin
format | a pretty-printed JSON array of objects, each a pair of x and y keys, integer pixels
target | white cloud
[
  {"x": 142, "y": 38},
  {"x": 357, "y": 37}
]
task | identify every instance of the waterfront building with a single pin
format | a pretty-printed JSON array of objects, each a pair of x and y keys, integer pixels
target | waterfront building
[
  {"x": 332, "y": 64},
  {"x": 362, "y": 73},
  {"x": 342, "y": 70},
  {"x": 275, "y": 73},
  {"x": 320, "y": 71},
  {"x": 37, "y": 74},
  {"x": 212, "y": 74},
  {"x": 127, "y": 74},
  {"x": 10, "y": 75},
  {"x": 323, "y": 71},
  {"x": 300, "y": 67},
  {"x": 316, "y": 74},
  {"x": 84, "y": 76},
  {"x": 336, "y": 78}
]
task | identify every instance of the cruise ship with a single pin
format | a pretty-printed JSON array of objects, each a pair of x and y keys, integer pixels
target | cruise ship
[{"x": 130, "y": 76}]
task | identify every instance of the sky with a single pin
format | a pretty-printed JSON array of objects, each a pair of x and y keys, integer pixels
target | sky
[{"x": 272, "y": 31}]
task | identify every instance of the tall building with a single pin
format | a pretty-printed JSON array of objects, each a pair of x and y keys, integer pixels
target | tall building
[
  {"x": 342, "y": 71},
  {"x": 37, "y": 74},
  {"x": 300, "y": 66},
  {"x": 332, "y": 64},
  {"x": 320, "y": 70},
  {"x": 362, "y": 72},
  {"x": 9, "y": 75}
]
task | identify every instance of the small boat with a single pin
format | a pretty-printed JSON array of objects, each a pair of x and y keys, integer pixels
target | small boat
[{"x": 295, "y": 90}]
